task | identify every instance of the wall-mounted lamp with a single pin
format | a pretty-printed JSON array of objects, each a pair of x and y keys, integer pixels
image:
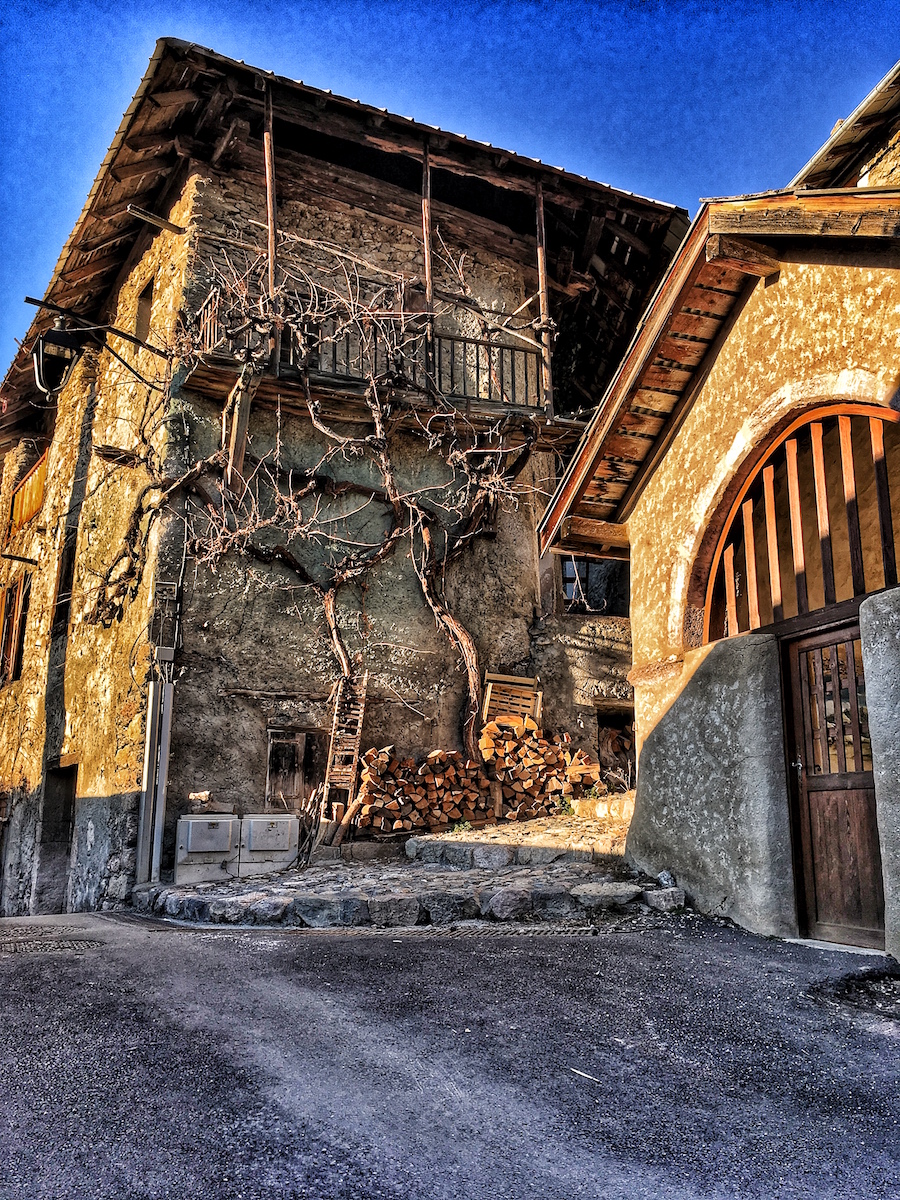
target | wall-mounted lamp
[{"x": 55, "y": 354}]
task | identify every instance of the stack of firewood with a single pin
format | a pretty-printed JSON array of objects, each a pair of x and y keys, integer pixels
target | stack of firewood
[
  {"x": 526, "y": 775},
  {"x": 534, "y": 771},
  {"x": 399, "y": 795}
]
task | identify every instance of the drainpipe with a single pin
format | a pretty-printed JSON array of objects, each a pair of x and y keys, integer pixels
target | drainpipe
[
  {"x": 159, "y": 810},
  {"x": 148, "y": 787},
  {"x": 165, "y": 634}
]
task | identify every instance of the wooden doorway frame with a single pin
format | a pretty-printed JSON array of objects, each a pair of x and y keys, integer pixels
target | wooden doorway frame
[{"x": 803, "y": 835}]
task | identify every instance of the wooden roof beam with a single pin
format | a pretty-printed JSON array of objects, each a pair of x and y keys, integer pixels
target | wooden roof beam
[
  {"x": 588, "y": 529},
  {"x": 839, "y": 218},
  {"x": 590, "y": 550},
  {"x": 739, "y": 254},
  {"x": 148, "y": 166}
]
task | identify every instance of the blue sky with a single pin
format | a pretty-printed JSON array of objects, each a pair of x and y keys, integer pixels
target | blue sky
[{"x": 675, "y": 99}]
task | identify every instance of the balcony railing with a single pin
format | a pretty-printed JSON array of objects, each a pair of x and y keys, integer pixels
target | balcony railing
[
  {"x": 465, "y": 368},
  {"x": 28, "y": 496}
]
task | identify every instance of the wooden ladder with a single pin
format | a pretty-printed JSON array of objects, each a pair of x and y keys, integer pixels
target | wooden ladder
[{"x": 346, "y": 732}]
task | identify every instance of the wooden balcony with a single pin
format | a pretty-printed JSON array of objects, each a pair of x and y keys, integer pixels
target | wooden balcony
[
  {"x": 28, "y": 496},
  {"x": 393, "y": 351}
]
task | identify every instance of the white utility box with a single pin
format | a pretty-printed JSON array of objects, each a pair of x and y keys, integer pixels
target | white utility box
[
  {"x": 207, "y": 848},
  {"x": 269, "y": 842}
]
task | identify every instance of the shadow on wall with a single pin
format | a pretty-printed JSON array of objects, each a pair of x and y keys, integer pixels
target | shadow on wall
[
  {"x": 712, "y": 795},
  {"x": 66, "y": 851}
]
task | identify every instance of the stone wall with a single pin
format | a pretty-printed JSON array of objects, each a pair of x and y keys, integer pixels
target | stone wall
[
  {"x": 256, "y": 651},
  {"x": 712, "y": 798},
  {"x": 879, "y": 625}
]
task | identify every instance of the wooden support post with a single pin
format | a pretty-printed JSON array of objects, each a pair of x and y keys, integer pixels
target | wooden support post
[
  {"x": 271, "y": 220},
  {"x": 429, "y": 276},
  {"x": 546, "y": 343},
  {"x": 731, "y": 592},
  {"x": 239, "y": 401},
  {"x": 750, "y": 563}
]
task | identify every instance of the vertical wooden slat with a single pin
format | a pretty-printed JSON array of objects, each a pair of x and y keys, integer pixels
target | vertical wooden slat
[
  {"x": 852, "y": 505},
  {"x": 750, "y": 564},
  {"x": 429, "y": 277},
  {"x": 819, "y": 685},
  {"x": 730, "y": 591},
  {"x": 835, "y": 662},
  {"x": 269, "y": 147},
  {"x": 271, "y": 223},
  {"x": 797, "y": 550},
  {"x": 543, "y": 288},
  {"x": 883, "y": 496},
  {"x": 854, "y": 703},
  {"x": 822, "y": 515},
  {"x": 803, "y": 665},
  {"x": 772, "y": 544}
]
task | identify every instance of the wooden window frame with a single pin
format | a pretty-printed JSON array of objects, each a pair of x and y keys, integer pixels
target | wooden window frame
[{"x": 14, "y": 603}]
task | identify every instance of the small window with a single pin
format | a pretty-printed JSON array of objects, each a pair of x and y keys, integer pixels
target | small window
[
  {"x": 595, "y": 586},
  {"x": 12, "y": 637},
  {"x": 144, "y": 313},
  {"x": 296, "y": 764}
]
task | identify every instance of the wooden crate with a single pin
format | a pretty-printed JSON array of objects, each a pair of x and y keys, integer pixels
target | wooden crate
[{"x": 511, "y": 695}]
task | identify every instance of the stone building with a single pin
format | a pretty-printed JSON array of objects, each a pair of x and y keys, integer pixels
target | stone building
[
  {"x": 321, "y": 364},
  {"x": 760, "y": 518}
]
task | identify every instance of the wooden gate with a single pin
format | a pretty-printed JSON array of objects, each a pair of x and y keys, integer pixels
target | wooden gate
[{"x": 839, "y": 885}]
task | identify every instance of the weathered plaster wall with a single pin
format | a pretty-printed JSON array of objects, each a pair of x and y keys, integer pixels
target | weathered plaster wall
[
  {"x": 879, "y": 625},
  {"x": 81, "y": 695},
  {"x": 249, "y": 626},
  {"x": 712, "y": 798},
  {"x": 821, "y": 332}
]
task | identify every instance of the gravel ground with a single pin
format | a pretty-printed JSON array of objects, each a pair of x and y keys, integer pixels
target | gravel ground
[{"x": 689, "y": 1061}]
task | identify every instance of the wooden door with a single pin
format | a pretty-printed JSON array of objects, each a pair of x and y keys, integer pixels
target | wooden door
[
  {"x": 840, "y": 892},
  {"x": 55, "y": 851}
]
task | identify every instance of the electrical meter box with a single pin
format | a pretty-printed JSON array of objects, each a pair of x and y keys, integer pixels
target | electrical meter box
[
  {"x": 207, "y": 848},
  {"x": 269, "y": 842}
]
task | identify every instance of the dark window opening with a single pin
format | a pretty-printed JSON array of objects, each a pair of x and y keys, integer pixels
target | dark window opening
[
  {"x": 596, "y": 586},
  {"x": 12, "y": 637},
  {"x": 296, "y": 764},
  {"x": 144, "y": 313}
]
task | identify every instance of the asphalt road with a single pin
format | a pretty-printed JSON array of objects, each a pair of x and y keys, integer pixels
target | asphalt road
[{"x": 688, "y": 1063}]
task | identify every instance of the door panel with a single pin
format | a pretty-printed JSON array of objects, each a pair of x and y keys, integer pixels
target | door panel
[{"x": 841, "y": 890}]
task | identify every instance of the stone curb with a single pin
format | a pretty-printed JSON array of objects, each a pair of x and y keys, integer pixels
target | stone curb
[
  {"x": 436, "y": 850},
  {"x": 449, "y": 897}
]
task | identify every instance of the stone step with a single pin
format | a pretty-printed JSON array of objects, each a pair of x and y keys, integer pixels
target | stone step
[{"x": 349, "y": 894}]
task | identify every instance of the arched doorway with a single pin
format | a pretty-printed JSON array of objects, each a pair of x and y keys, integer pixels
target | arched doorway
[{"x": 807, "y": 534}]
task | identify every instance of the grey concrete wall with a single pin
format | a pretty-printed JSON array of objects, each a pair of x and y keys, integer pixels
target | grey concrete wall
[
  {"x": 879, "y": 625},
  {"x": 712, "y": 796}
]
